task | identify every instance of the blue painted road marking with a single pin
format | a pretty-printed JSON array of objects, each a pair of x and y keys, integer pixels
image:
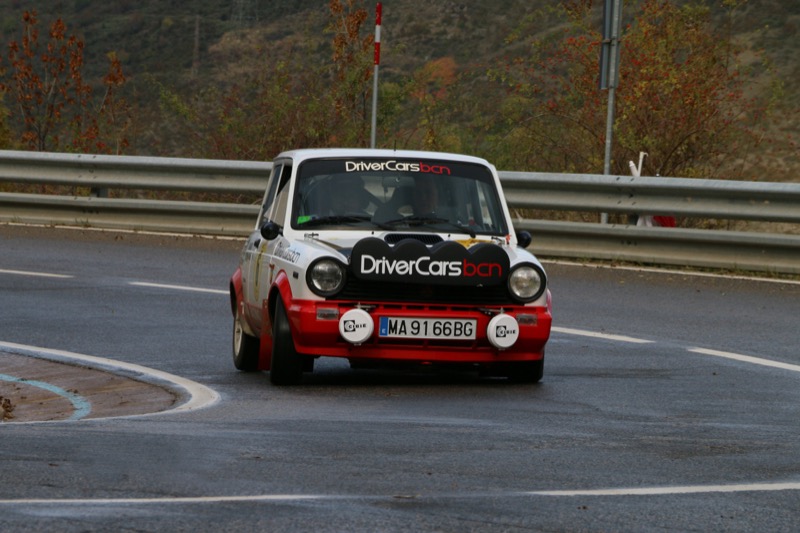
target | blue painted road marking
[{"x": 81, "y": 405}]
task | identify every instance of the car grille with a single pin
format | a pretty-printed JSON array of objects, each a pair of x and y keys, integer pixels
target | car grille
[
  {"x": 365, "y": 291},
  {"x": 425, "y": 238}
]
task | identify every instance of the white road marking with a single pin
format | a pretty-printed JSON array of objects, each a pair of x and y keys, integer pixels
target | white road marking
[
  {"x": 702, "y": 351},
  {"x": 35, "y": 274},
  {"x": 596, "y": 335},
  {"x": 672, "y": 271},
  {"x": 637, "y": 491},
  {"x": 134, "y": 283},
  {"x": 207, "y": 397},
  {"x": 661, "y": 491},
  {"x": 176, "y": 287},
  {"x": 166, "y": 500},
  {"x": 746, "y": 359}
]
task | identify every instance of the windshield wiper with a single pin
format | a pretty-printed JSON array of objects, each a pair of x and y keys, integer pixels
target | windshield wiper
[
  {"x": 421, "y": 220},
  {"x": 334, "y": 219}
]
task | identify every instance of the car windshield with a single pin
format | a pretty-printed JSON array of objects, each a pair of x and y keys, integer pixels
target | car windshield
[{"x": 397, "y": 194}]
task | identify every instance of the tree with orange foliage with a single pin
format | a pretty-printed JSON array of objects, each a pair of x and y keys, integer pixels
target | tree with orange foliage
[
  {"x": 430, "y": 89},
  {"x": 51, "y": 103},
  {"x": 352, "y": 68},
  {"x": 6, "y": 138},
  {"x": 104, "y": 128},
  {"x": 680, "y": 97},
  {"x": 289, "y": 103}
]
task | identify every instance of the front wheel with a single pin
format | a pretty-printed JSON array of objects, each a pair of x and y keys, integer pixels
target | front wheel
[
  {"x": 526, "y": 372},
  {"x": 518, "y": 372},
  {"x": 245, "y": 347},
  {"x": 287, "y": 364}
]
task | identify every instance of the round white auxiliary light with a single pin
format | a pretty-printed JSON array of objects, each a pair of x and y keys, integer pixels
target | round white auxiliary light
[
  {"x": 356, "y": 326},
  {"x": 503, "y": 331}
]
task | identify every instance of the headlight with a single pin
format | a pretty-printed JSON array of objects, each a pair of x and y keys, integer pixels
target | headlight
[
  {"x": 325, "y": 277},
  {"x": 526, "y": 283}
]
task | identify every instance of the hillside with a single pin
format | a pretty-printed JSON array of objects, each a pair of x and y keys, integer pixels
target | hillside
[
  {"x": 186, "y": 44},
  {"x": 158, "y": 38}
]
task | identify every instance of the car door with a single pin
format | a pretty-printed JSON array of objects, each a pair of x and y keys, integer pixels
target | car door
[
  {"x": 253, "y": 250},
  {"x": 261, "y": 266}
]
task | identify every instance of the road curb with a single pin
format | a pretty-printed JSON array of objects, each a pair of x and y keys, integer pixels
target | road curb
[{"x": 111, "y": 388}]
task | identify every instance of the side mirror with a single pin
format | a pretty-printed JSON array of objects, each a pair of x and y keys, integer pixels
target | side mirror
[
  {"x": 524, "y": 238},
  {"x": 271, "y": 230}
]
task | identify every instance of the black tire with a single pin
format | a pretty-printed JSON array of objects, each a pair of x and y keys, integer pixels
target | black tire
[
  {"x": 526, "y": 372},
  {"x": 287, "y": 364},
  {"x": 245, "y": 348}
]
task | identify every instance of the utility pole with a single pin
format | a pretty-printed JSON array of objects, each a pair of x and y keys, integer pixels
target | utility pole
[
  {"x": 244, "y": 13},
  {"x": 196, "y": 48},
  {"x": 609, "y": 73}
]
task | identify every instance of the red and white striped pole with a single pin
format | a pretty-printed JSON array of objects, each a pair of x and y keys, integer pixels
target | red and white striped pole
[{"x": 378, "y": 10}]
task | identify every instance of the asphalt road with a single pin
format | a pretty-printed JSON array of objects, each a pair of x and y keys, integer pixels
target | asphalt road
[{"x": 669, "y": 403}]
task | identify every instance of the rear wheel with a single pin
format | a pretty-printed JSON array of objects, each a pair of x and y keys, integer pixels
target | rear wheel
[
  {"x": 245, "y": 347},
  {"x": 287, "y": 364}
]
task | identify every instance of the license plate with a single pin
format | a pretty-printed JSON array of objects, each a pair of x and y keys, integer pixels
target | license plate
[{"x": 427, "y": 328}]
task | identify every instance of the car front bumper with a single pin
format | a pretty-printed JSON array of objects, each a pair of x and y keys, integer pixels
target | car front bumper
[{"x": 315, "y": 329}]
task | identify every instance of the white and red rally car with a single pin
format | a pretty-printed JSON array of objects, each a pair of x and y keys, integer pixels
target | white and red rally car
[{"x": 387, "y": 256}]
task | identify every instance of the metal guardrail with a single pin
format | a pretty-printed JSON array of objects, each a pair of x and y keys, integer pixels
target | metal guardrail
[
  {"x": 682, "y": 197},
  {"x": 99, "y": 173},
  {"x": 701, "y": 199}
]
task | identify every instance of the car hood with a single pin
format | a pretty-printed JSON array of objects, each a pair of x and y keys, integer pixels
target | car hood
[{"x": 341, "y": 245}]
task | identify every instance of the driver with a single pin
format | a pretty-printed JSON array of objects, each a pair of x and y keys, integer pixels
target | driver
[
  {"x": 425, "y": 197},
  {"x": 348, "y": 196}
]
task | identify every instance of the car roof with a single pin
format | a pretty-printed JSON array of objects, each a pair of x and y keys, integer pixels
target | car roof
[{"x": 316, "y": 153}]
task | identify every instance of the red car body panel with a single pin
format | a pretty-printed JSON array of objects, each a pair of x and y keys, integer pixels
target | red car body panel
[{"x": 316, "y": 337}]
